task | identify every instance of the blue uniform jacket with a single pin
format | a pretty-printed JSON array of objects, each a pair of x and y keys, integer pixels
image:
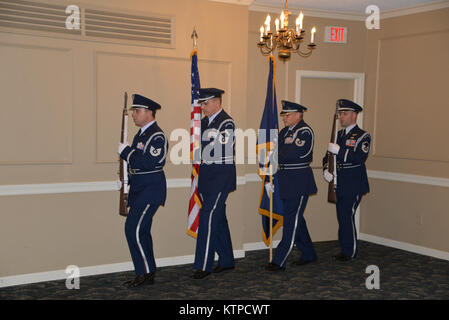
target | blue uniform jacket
[
  {"x": 217, "y": 171},
  {"x": 146, "y": 159},
  {"x": 295, "y": 153},
  {"x": 352, "y": 178}
]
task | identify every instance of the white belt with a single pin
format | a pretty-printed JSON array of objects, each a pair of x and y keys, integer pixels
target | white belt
[
  {"x": 134, "y": 172},
  {"x": 292, "y": 166}
]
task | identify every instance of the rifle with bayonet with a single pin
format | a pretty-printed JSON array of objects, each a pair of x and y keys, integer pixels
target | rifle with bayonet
[
  {"x": 123, "y": 171},
  {"x": 332, "y": 162}
]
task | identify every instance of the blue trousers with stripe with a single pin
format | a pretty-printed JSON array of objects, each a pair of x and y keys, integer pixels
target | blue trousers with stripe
[
  {"x": 294, "y": 232},
  {"x": 213, "y": 234},
  {"x": 138, "y": 234},
  {"x": 347, "y": 233}
]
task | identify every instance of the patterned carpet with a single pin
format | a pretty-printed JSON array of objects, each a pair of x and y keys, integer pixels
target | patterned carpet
[{"x": 403, "y": 275}]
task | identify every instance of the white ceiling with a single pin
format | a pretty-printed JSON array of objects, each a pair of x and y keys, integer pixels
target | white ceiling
[{"x": 352, "y": 6}]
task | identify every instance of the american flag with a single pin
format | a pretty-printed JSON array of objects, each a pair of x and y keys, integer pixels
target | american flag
[{"x": 195, "y": 201}]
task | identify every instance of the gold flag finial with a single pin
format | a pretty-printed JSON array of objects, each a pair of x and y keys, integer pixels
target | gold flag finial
[{"x": 195, "y": 38}]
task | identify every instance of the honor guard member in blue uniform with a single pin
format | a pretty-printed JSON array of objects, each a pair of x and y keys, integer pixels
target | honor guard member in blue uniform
[
  {"x": 296, "y": 183},
  {"x": 351, "y": 150},
  {"x": 148, "y": 187},
  {"x": 216, "y": 179}
]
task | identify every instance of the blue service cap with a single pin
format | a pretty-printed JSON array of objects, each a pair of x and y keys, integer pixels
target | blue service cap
[
  {"x": 209, "y": 93},
  {"x": 143, "y": 102},
  {"x": 348, "y": 105},
  {"x": 288, "y": 106}
]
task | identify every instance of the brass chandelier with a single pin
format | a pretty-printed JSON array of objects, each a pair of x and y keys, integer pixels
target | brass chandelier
[{"x": 286, "y": 39}]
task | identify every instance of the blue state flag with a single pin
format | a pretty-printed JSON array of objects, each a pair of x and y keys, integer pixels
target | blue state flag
[{"x": 267, "y": 154}]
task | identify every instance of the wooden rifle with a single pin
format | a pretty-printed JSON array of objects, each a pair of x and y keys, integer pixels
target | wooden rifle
[
  {"x": 332, "y": 162},
  {"x": 123, "y": 171}
]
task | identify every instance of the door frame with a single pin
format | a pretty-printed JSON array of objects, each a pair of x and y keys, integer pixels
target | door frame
[{"x": 358, "y": 97}]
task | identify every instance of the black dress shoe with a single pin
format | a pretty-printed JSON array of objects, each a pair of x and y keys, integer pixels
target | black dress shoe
[
  {"x": 302, "y": 262},
  {"x": 200, "y": 274},
  {"x": 219, "y": 269},
  {"x": 273, "y": 267},
  {"x": 342, "y": 258},
  {"x": 140, "y": 280}
]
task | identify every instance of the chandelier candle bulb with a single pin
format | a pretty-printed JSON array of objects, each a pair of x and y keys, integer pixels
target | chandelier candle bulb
[
  {"x": 267, "y": 24},
  {"x": 276, "y": 22},
  {"x": 301, "y": 17},
  {"x": 312, "y": 37},
  {"x": 261, "y": 33},
  {"x": 282, "y": 20}
]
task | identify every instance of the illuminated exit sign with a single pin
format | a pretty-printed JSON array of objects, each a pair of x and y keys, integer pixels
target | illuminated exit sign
[{"x": 336, "y": 34}]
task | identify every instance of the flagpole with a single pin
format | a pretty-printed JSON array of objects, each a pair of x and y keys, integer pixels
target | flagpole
[
  {"x": 271, "y": 58},
  {"x": 271, "y": 215},
  {"x": 195, "y": 202}
]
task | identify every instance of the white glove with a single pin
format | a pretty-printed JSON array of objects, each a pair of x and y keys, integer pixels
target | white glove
[
  {"x": 269, "y": 187},
  {"x": 328, "y": 176},
  {"x": 122, "y": 146},
  {"x": 119, "y": 184},
  {"x": 333, "y": 148}
]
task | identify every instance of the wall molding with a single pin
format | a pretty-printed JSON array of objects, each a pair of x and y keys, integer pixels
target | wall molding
[
  {"x": 97, "y": 270},
  {"x": 329, "y": 14},
  {"x": 341, "y": 15},
  {"x": 95, "y": 186},
  {"x": 405, "y": 246},
  {"x": 409, "y": 178},
  {"x": 54, "y": 188},
  {"x": 252, "y": 177},
  {"x": 436, "y": 5},
  {"x": 253, "y": 246},
  {"x": 74, "y": 187},
  {"x": 381, "y": 51},
  {"x": 100, "y": 186},
  {"x": 359, "y": 83},
  {"x": 67, "y": 152},
  {"x": 238, "y": 2}
]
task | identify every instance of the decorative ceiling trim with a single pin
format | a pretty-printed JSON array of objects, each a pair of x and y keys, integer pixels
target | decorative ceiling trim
[
  {"x": 239, "y": 2},
  {"x": 310, "y": 12},
  {"x": 436, "y": 5}
]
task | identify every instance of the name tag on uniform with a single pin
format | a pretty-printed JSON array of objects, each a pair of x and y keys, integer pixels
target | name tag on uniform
[
  {"x": 350, "y": 142},
  {"x": 140, "y": 146}
]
